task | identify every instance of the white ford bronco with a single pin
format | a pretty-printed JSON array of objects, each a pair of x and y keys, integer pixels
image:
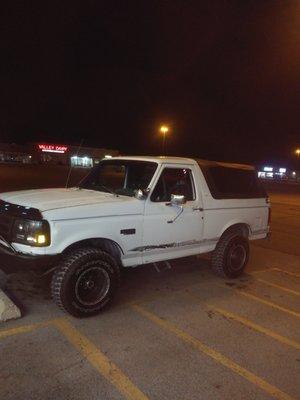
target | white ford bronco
[{"x": 130, "y": 211}]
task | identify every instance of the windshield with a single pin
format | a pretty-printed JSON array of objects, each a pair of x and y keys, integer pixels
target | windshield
[{"x": 121, "y": 177}]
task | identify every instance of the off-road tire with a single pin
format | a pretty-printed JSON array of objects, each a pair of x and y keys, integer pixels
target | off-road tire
[
  {"x": 65, "y": 284},
  {"x": 222, "y": 257}
]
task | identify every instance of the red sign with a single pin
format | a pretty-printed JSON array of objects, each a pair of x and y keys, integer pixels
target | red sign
[{"x": 53, "y": 148}]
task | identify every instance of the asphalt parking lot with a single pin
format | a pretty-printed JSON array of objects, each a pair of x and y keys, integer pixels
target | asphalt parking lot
[{"x": 181, "y": 333}]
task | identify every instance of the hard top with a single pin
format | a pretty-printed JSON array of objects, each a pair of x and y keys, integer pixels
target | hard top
[{"x": 183, "y": 160}]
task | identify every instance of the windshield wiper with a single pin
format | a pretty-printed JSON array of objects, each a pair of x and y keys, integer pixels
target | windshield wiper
[
  {"x": 109, "y": 190},
  {"x": 98, "y": 188}
]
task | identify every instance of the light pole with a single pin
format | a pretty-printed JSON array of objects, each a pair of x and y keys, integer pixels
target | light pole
[
  {"x": 297, "y": 151},
  {"x": 164, "y": 129}
]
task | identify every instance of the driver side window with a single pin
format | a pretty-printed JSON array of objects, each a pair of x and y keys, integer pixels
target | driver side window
[{"x": 174, "y": 181}]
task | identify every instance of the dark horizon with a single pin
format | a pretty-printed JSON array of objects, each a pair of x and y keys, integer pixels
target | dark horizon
[{"x": 224, "y": 76}]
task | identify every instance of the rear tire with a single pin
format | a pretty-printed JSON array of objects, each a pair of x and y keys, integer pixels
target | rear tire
[
  {"x": 85, "y": 282},
  {"x": 231, "y": 255}
]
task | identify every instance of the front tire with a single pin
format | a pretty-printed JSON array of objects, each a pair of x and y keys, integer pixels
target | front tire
[
  {"x": 85, "y": 282},
  {"x": 231, "y": 255}
]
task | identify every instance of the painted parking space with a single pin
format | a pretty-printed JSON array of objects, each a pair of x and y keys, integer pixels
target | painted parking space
[
  {"x": 203, "y": 337},
  {"x": 109, "y": 347},
  {"x": 38, "y": 367}
]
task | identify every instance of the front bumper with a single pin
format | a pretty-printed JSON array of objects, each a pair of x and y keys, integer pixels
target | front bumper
[{"x": 12, "y": 261}]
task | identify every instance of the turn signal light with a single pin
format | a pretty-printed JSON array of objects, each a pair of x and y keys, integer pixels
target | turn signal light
[{"x": 41, "y": 239}]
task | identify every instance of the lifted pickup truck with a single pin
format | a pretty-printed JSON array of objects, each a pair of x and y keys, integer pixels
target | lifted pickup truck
[{"x": 129, "y": 211}]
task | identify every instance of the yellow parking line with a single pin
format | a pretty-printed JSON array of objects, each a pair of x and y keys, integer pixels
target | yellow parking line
[
  {"x": 22, "y": 329},
  {"x": 269, "y": 303},
  {"x": 285, "y": 289},
  {"x": 256, "y": 327},
  {"x": 99, "y": 361},
  {"x": 215, "y": 355},
  {"x": 263, "y": 301},
  {"x": 249, "y": 323},
  {"x": 286, "y": 272}
]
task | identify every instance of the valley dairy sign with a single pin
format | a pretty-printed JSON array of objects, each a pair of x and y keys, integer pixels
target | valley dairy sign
[{"x": 53, "y": 148}]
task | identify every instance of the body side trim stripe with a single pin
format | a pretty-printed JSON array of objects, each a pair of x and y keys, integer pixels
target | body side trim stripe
[
  {"x": 188, "y": 242},
  {"x": 173, "y": 245}
]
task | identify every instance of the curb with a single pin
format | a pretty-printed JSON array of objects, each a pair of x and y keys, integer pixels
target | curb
[{"x": 8, "y": 310}]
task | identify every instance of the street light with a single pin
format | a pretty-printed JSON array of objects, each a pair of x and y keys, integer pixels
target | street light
[
  {"x": 297, "y": 152},
  {"x": 164, "y": 129}
]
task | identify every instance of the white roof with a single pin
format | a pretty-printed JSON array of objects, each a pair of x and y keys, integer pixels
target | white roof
[
  {"x": 183, "y": 160},
  {"x": 223, "y": 164},
  {"x": 158, "y": 159}
]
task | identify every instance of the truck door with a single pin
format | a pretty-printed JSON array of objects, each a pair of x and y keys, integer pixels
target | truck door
[{"x": 172, "y": 231}]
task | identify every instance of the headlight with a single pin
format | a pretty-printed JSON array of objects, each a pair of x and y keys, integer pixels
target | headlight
[{"x": 32, "y": 233}]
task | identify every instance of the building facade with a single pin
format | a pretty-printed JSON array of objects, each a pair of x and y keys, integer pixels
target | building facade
[{"x": 50, "y": 153}]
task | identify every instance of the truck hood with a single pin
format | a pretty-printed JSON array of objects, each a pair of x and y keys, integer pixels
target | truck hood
[{"x": 51, "y": 199}]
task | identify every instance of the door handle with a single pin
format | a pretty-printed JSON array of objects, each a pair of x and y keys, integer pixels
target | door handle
[{"x": 197, "y": 209}]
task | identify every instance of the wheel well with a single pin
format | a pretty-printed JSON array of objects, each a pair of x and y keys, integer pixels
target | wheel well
[
  {"x": 107, "y": 245},
  {"x": 242, "y": 228}
]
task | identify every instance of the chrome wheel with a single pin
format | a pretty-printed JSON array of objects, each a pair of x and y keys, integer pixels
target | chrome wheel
[
  {"x": 237, "y": 257},
  {"x": 92, "y": 286}
]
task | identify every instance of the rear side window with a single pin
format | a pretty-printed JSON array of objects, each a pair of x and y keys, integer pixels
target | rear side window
[{"x": 230, "y": 183}]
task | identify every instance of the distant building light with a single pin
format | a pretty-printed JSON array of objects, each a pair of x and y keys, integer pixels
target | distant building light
[
  {"x": 81, "y": 161},
  {"x": 30, "y": 156},
  {"x": 282, "y": 170},
  {"x": 293, "y": 173},
  {"x": 107, "y": 156},
  {"x": 268, "y": 169}
]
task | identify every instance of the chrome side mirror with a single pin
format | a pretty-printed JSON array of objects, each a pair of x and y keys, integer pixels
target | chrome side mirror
[
  {"x": 178, "y": 199},
  {"x": 141, "y": 194}
]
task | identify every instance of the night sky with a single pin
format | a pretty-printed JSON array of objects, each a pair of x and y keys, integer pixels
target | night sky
[{"x": 224, "y": 74}]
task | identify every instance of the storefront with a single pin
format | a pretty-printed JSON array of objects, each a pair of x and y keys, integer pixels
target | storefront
[
  {"x": 55, "y": 154},
  {"x": 50, "y": 153}
]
